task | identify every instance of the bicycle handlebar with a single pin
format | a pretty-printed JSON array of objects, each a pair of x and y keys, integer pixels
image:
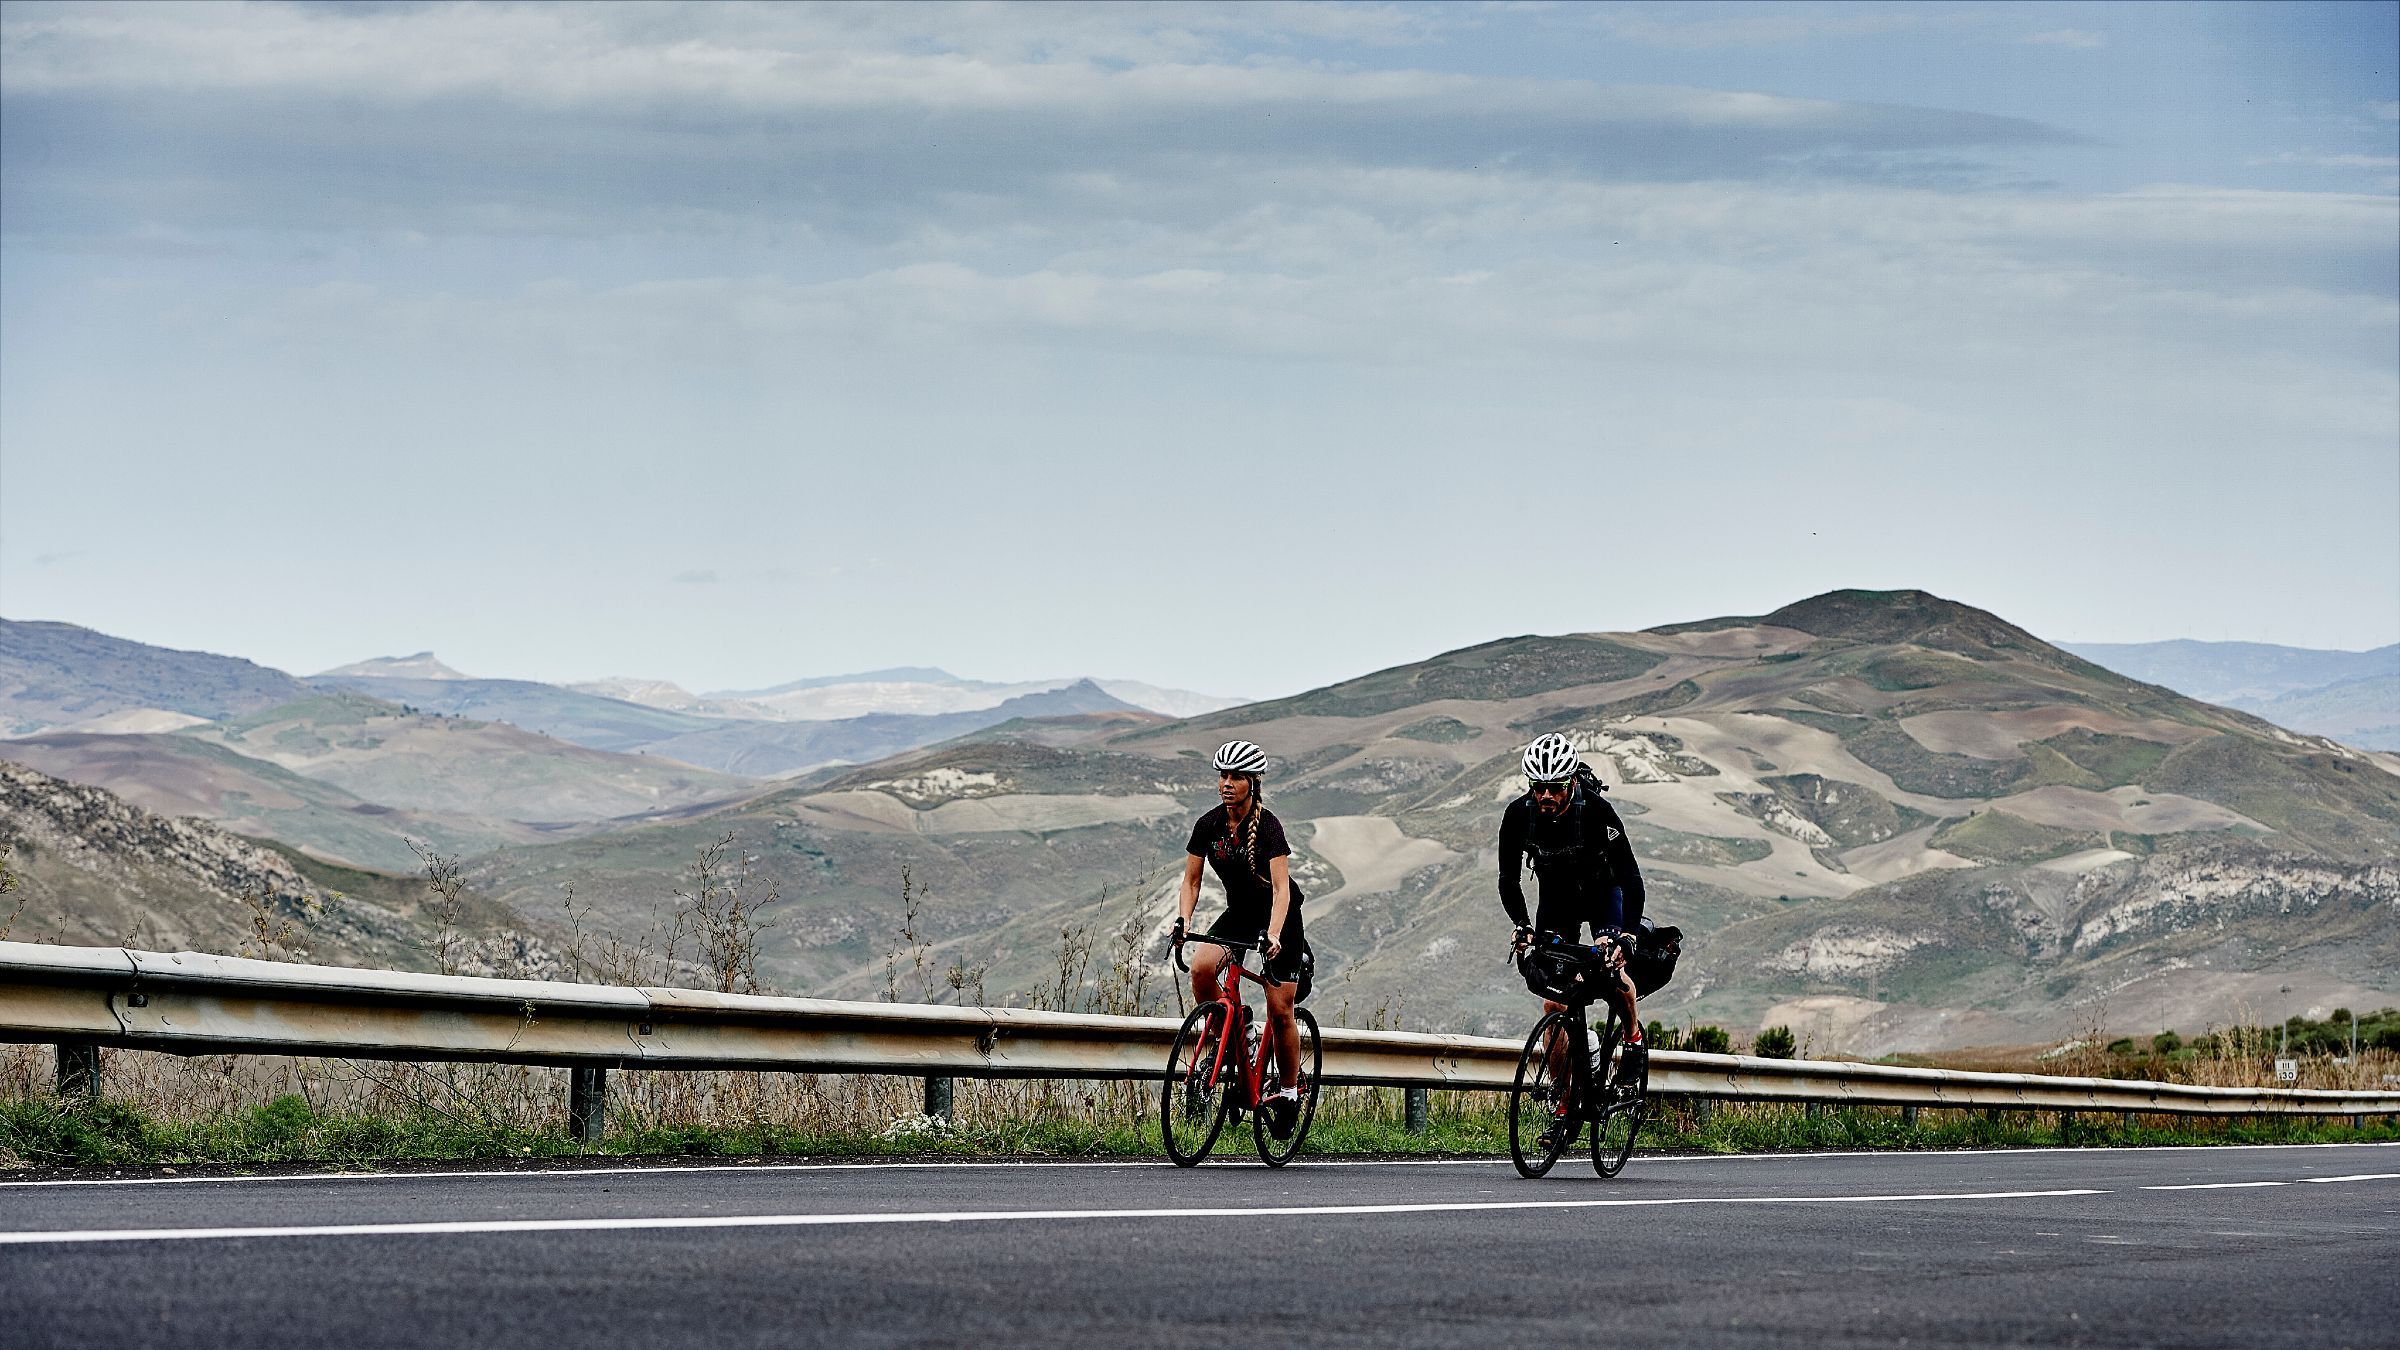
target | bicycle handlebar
[
  {"x": 1234, "y": 946},
  {"x": 1531, "y": 938}
]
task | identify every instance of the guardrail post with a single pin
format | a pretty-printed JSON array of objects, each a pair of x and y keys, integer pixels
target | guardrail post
[
  {"x": 2066, "y": 1125},
  {"x": 1814, "y": 1111},
  {"x": 78, "y": 1070},
  {"x": 1908, "y": 1117},
  {"x": 2125, "y": 1121},
  {"x": 587, "y": 1104},
  {"x": 937, "y": 1098},
  {"x": 1702, "y": 1109},
  {"x": 1416, "y": 1110},
  {"x": 1991, "y": 1115}
]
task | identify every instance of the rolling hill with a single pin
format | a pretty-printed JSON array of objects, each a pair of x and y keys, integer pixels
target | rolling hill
[
  {"x": 775, "y": 749},
  {"x": 585, "y": 719},
  {"x": 380, "y": 753},
  {"x": 1889, "y": 819},
  {"x": 59, "y": 675},
  {"x": 178, "y": 776},
  {"x": 1884, "y": 816}
]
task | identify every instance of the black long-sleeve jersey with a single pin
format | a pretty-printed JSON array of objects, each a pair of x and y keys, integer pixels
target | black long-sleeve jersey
[{"x": 1582, "y": 860}]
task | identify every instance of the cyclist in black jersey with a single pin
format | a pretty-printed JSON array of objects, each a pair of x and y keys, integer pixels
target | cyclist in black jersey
[
  {"x": 1582, "y": 859},
  {"x": 1245, "y": 843}
]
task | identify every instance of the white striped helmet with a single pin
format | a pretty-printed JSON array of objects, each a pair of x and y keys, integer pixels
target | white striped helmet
[
  {"x": 1241, "y": 757},
  {"x": 1550, "y": 759}
]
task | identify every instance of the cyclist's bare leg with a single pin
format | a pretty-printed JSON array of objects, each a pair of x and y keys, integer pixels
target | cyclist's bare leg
[
  {"x": 1285, "y": 1028},
  {"x": 1559, "y": 1043},
  {"x": 1205, "y": 959}
]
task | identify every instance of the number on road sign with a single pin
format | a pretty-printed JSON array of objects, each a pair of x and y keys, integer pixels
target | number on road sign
[{"x": 2287, "y": 1071}]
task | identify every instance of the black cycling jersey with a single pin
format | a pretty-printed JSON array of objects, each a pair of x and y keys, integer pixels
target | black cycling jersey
[{"x": 1582, "y": 859}]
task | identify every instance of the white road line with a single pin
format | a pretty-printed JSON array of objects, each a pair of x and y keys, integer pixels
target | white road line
[
  {"x": 449, "y": 1226},
  {"x": 2292, "y": 1181},
  {"x": 1024, "y": 1163}
]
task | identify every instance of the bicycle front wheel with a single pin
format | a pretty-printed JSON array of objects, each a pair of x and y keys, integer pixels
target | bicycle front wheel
[
  {"x": 1193, "y": 1099},
  {"x": 1273, "y": 1151},
  {"x": 1624, "y": 1105},
  {"x": 1541, "y": 1121}
]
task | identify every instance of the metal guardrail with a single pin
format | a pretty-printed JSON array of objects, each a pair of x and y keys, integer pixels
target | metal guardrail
[{"x": 189, "y": 1003}]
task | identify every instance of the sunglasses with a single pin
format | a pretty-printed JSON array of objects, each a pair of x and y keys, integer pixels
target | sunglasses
[{"x": 1551, "y": 789}]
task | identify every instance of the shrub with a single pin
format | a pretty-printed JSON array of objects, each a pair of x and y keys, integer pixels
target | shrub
[
  {"x": 1776, "y": 1043},
  {"x": 1660, "y": 1036},
  {"x": 2166, "y": 1043},
  {"x": 1710, "y": 1041}
]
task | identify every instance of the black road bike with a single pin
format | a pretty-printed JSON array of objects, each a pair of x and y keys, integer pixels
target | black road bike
[{"x": 1556, "y": 1092}]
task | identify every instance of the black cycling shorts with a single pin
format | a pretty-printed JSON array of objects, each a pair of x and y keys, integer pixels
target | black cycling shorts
[{"x": 1294, "y": 962}]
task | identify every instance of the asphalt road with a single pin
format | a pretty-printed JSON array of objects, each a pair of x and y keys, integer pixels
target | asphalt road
[{"x": 2244, "y": 1247}]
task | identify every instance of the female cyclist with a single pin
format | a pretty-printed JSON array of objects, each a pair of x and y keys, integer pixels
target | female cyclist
[{"x": 1244, "y": 842}]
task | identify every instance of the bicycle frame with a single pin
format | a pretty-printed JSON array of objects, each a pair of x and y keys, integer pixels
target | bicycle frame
[
  {"x": 1237, "y": 1019},
  {"x": 1585, "y": 1101}
]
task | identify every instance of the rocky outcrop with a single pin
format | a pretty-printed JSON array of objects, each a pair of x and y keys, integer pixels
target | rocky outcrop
[
  {"x": 2212, "y": 885},
  {"x": 91, "y": 828}
]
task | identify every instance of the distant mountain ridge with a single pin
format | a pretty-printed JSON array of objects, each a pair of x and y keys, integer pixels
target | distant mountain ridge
[
  {"x": 2353, "y": 697},
  {"x": 2222, "y": 672}
]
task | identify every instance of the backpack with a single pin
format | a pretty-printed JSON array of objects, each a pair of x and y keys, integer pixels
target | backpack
[{"x": 1588, "y": 789}]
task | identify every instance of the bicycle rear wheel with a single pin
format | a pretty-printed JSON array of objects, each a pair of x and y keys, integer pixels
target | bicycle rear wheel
[
  {"x": 1624, "y": 1105},
  {"x": 1540, "y": 1106},
  {"x": 1276, "y": 1152},
  {"x": 1193, "y": 1099}
]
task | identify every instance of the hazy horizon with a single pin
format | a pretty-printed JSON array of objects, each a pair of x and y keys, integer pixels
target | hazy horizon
[
  {"x": 964, "y": 671},
  {"x": 1237, "y": 349}
]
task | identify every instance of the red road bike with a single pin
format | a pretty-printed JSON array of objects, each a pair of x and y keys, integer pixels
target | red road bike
[{"x": 1221, "y": 1068}]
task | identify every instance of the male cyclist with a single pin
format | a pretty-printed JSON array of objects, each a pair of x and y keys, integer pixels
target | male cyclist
[{"x": 1585, "y": 866}]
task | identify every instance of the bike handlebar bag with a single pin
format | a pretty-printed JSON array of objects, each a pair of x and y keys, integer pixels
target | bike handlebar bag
[{"x": 1562, "y": 974}]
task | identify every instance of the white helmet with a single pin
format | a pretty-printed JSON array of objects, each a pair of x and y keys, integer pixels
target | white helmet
[
  {"x": 1550, "y": 759},
  {"x": 1241, "y": 757}
]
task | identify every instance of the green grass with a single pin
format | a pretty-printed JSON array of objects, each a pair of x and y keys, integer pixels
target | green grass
[
  {"x": 2116, "y": 761},
  {"x": 43, "y": 1131},
  {"x": 1998, "y": 837},
  {"x": 1440, "y": 730}
]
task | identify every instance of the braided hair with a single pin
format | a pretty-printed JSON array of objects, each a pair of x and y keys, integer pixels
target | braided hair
[{"x": 1258, "y": 804}]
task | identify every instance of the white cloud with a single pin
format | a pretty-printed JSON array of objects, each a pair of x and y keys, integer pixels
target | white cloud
[
  {"x": 2079, "y": 39},
  {"x": 1696, "y": 27},
  {"x": 2316, "y": 160}
]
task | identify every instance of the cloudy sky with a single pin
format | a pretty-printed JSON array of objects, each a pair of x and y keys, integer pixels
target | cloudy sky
[{"x": 1241, "y": 348}]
